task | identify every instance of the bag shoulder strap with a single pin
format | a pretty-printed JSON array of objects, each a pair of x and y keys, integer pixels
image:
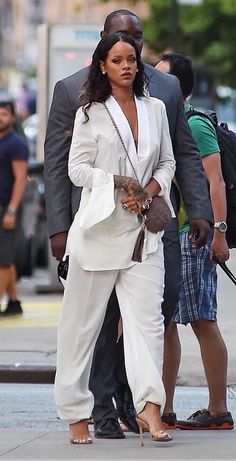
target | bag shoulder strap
[{"x": 121, "y": 139}]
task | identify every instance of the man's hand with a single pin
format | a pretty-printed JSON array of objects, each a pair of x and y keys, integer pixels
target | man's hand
[
  {"x": 58, "y": 245},
  {"x": 199, "y": 230},
  {"x": 8, "y": 222},
  {"x": 219, "y": 247}
]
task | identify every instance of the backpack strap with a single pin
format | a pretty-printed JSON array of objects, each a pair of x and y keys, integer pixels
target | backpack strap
[{"x": 210, "y": 115}]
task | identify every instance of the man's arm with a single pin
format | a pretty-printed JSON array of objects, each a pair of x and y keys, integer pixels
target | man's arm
[
  {"x": 212, "y": 168},
  {"x": 57, "y": 146},
  {"x": 191, "y": 179},
  {"x": 58, "y": 187},
  {"x": 189, "y": 170},
  {"x": 19, "y": 168},
  {"x": 206, "y": 138}
]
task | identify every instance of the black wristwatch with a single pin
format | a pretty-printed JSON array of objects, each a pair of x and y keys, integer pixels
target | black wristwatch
[{"x": 221, "y": 226}]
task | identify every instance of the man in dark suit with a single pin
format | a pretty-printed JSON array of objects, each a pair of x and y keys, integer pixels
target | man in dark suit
[{"x": 62, "y": 201}]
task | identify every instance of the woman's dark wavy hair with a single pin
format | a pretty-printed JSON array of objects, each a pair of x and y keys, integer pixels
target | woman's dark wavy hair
[{"x": 97, "y": 87}]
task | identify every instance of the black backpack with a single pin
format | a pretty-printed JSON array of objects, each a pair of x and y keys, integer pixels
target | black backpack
[{"x": 227, "y": 145}]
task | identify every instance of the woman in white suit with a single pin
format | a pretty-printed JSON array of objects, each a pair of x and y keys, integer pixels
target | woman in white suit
[{"x": 121, "y": 155}]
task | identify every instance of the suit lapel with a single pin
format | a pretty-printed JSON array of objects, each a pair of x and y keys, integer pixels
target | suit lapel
[
  {"x": 143, "y": 128},
  {"x": 126, "y": 134}
]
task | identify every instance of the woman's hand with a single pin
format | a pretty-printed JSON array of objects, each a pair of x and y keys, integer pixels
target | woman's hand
[
  {"x": 137, "y": 200},
  {"x": 137, "y": 196},
  {"x": 130, "y": 204},
  {"x": 131, "y": 186},
  {"x": 138, "y": 193}
]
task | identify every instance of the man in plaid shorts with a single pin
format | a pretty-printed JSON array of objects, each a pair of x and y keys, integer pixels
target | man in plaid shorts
[{"x": 197, "y": 303}]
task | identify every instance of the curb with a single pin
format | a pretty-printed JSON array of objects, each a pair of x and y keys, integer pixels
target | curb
[
  {"x": 45, "y": 374},
  {"x": 40, "y": 374}
]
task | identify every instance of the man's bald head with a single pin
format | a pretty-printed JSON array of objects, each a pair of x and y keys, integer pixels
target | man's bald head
[{"x": 127, "y": 22}]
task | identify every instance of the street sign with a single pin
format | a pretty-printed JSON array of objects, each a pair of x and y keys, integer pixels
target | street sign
[{"x": 63, "y": 49}]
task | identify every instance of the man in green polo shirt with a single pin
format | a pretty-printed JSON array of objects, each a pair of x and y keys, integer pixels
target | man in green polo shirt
[{"x": 197, "y": 304}]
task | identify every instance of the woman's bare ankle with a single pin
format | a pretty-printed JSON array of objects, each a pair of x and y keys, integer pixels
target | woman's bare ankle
[
  {"x": 79, "y": 428},
  {"x": 79, "y": 432},
  {"x": 152, "y": 416}
]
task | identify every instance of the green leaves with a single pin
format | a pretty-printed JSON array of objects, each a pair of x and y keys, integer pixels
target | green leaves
[{"x": 206, "y": 33}]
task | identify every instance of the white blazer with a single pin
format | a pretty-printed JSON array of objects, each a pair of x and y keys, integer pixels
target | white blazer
[{"x": 102, "y": 235}]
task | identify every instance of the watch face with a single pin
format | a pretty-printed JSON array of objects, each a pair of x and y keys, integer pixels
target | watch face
[{"x": 221, "y": 226}]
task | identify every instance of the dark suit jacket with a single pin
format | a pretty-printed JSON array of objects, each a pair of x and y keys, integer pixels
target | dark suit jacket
[{"x": 62, "y": 198}]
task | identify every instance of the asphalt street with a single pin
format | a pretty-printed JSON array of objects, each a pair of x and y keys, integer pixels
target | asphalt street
[{"x": 31, "y": 406}]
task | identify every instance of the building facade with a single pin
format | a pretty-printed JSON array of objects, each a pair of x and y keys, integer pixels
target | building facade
[{"x": 19, "y": 20}]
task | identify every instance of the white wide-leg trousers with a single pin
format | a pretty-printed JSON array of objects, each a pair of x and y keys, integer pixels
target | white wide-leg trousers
[{"x": 140, "y": 293}]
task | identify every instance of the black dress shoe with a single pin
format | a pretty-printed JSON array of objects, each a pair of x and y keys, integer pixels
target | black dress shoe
[
  {"x": 125, "y": 408},
  {"x": 108, "y": 429}
]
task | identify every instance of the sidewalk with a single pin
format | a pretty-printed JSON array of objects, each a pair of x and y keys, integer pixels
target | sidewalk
[
  {"x": 28, "y": 343},
  {"x": 30, "y": 430},
  {"x": 196, "y": 445}
]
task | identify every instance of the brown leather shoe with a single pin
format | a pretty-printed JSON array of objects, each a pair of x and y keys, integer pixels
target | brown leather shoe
[{"x": 203, "y": 420}]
